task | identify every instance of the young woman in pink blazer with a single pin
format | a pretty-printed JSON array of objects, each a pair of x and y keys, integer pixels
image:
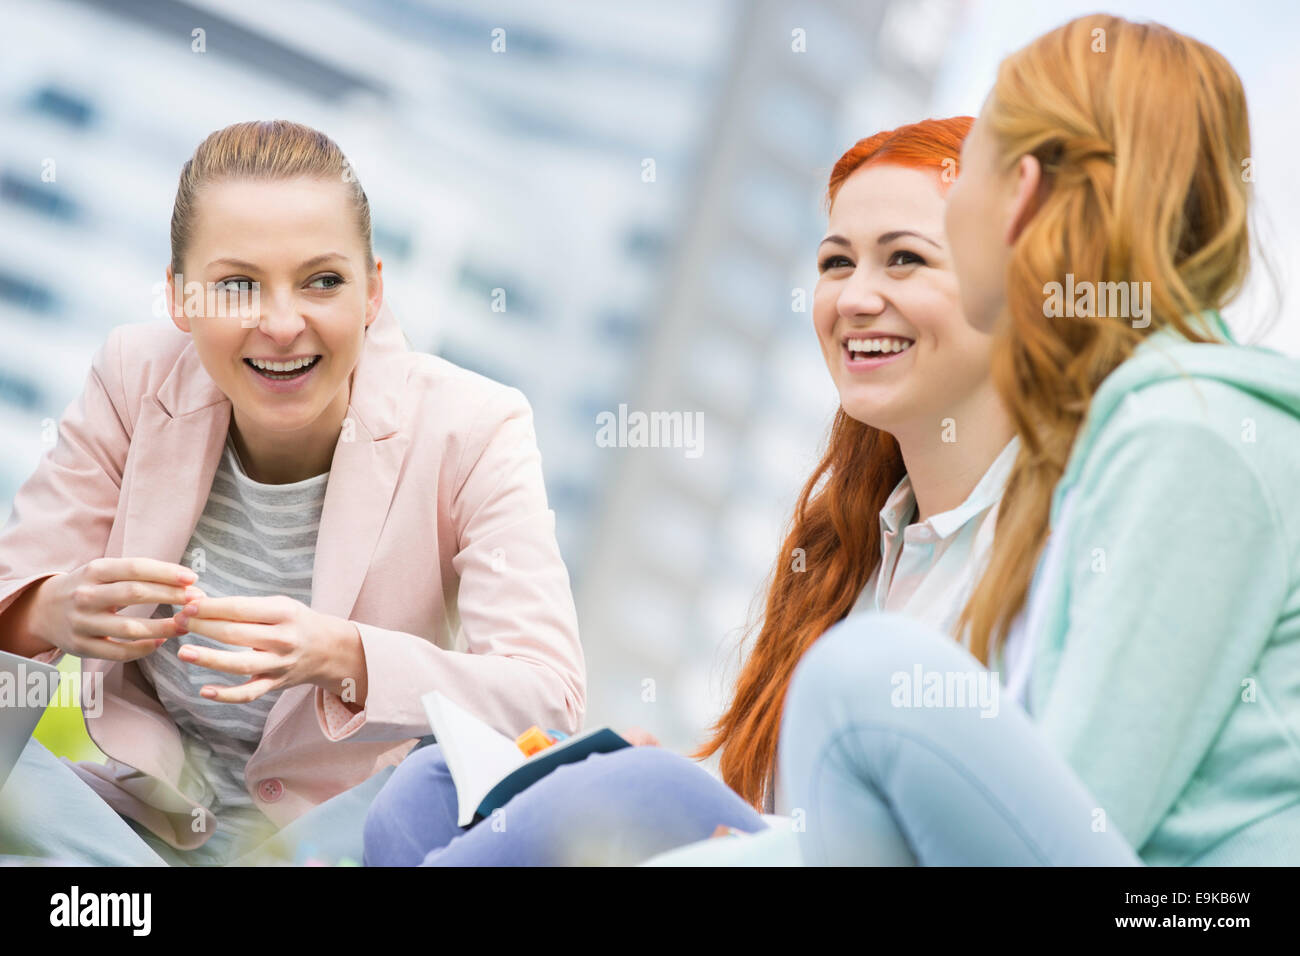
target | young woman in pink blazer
[{"x": 207, "y": 464}]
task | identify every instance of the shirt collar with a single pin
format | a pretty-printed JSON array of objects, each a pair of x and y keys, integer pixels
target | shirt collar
[
  {"x": 898, "y": 508},
  {"x": 902, "y": 502}
]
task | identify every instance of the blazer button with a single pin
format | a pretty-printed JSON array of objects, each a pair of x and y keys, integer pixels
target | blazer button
[{"x": 270, "y": 789}]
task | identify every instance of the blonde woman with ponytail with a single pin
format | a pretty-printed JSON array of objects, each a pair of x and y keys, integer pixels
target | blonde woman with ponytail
[
  {"x": 266, "y": 529},
  {"x": 1148, "y": 543}
]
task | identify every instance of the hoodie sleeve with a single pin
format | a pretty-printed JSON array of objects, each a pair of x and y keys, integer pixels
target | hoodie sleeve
[{"x": 1177, "y": 573}]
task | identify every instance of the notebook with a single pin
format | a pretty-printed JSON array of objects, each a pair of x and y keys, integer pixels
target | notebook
[
  {"x": 21, "y": 704},
  {"x": 488, "y": 768}
]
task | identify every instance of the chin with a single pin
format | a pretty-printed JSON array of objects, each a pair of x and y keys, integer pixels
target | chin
[
  {"x": 271, "y": 421},
  {"x": 871, "y": 415}
]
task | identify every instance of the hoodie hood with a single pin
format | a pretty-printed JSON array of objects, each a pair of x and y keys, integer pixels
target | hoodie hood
[{"x": 1259, "y": 372}]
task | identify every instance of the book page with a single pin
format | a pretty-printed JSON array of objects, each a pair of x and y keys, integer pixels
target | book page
[{"x": 477, "y": 756}]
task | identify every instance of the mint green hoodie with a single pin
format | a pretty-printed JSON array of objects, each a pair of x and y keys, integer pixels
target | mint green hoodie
[{"x": 1167, "y": 661}]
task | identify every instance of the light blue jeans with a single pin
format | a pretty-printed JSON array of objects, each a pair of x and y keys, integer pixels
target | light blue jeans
[
  {"x": 869, "y": 781},
  {"x": 49, "y": 815},
  {"x": 881, "y": 773}
]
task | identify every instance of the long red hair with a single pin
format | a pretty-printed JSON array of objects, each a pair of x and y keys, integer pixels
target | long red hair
[{"x": 833, "y": 545}]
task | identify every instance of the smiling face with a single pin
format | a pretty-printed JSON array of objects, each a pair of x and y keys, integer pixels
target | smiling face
[
  {"x": 299, "y": 240},
  {"x": 887, "y": 309}
]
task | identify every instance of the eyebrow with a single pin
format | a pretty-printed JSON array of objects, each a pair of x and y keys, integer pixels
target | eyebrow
[
  {"x": 241, "y": 264},
  {"x": 885, "y": 238}
]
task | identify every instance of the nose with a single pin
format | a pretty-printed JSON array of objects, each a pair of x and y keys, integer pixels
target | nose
[
  {"x": 861, "y": 295},
  {"x": 279, "y": 320}
]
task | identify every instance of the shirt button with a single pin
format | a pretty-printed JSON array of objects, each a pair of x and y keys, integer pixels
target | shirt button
[{"x": 270, "y": 789}]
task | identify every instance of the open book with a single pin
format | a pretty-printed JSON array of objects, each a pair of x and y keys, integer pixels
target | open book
[{"x": 488, "y": 768}]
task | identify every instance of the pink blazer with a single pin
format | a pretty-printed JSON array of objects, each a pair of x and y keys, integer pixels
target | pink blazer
[{"x": 435, "y": 538}]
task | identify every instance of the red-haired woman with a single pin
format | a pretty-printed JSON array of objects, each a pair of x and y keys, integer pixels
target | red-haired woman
[{"x": 896, "y": 516}]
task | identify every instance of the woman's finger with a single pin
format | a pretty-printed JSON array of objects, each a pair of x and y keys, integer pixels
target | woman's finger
[
  {"x": 240, "y": 693},
  {"x": 106, "y": 649},
  {"x": 127, "y": 593},
  {"x": 228, "y": 632},
  {"x": 252, "y": 610},
  {"x": 124, "y": 628},
  {"x": 108, "y": 570},
  {"x": 229, "y": 662}
]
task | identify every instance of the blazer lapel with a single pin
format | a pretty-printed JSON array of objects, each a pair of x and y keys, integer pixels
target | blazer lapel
[
  {"x": 175, "y": 448},
  {"x": 175, "y": 451},
  {"x": 360, "y": 489},
  {"x": 363, "y": 474}
]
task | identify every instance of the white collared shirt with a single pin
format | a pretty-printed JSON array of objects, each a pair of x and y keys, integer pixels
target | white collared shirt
[{"x": 928, "y": 569}]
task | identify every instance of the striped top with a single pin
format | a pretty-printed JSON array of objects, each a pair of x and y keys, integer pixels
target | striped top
[{"x": 252, "y": 540}]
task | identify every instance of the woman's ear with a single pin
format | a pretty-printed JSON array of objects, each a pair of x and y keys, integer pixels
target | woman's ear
[
  {"x": 175, "y": 308},
  {"x": 1026, "y": 196},
  {"x": 375, "y": 293}
]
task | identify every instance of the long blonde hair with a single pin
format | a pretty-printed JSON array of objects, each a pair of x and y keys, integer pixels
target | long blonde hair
[{"x": 1142, "y": 135}]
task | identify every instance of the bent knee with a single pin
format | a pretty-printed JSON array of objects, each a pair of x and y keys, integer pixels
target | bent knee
[
  {"x": 866, "y": 652},
  {"x": 422, "y": 765}
]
